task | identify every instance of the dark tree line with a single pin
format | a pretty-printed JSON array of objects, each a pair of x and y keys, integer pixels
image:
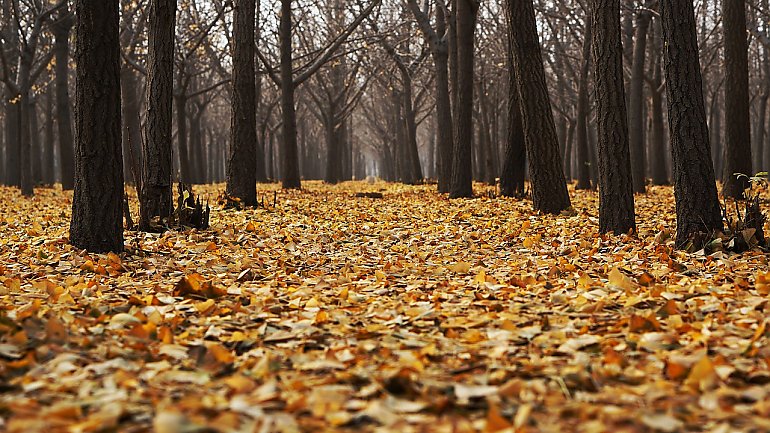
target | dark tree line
[{"x": 452, "y": 90}]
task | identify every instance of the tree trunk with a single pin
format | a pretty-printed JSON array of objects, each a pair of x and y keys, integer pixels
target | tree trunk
[
  {"x": 698, "y": 213},
  {"x": 583, "y": 111},
  {"x": 616, "y": 195},
  {"x": 636, "y": 100},
  {"x": 289, "y": 158},
  {"x": 462, "y": 164},
  {"x": 157, "y": 164},
  {"x": 513, "y": 170},
  {"x": 25, "y": 120},
  {"x": 411, "y": 154},
  {"x": 242, "y": 164},
  {"x": 549, "y": 189},
  {"x": 444, "y": 125},
  {"x": 737, "y": 150},
  {"x": 61, "y": 30},
  {"x": 97, "y": 206},
  {"x": 333, "y": 162}
]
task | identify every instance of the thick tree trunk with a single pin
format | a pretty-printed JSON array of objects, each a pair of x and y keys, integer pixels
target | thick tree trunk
[
  {"x": 97, "y": 206},
  {"x": 697, "y": 206},
  {"x": 514, "y": 169},
  {"x": 549, "y": 189},
  {"x": 61, "y": 31},
  {"x": 636, "y": 119},
  {"x": 616, "y": 195},
  {"x": 737, "y": 150},
  {"x": 462, "y": 164},
  {"x": 583, "y": 111},
  {"x": 242, "y": 164},
  {"x": 157, "y": 164}
]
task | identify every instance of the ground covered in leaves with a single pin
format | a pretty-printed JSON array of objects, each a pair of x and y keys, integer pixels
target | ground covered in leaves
[{"x": 412, "y": 312}]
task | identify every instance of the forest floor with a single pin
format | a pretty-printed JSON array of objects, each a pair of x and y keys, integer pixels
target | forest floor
[{"x": 409, "y": 313}]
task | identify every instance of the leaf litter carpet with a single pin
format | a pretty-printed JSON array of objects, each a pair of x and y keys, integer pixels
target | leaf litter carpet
[{"x": 410, "y": 313}]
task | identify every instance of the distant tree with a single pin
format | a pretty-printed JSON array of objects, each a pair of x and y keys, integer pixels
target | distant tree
[
  {"x": 439, "y": 47},
  {"x": 616, "y": 195},
  {"x": 242, "y": 163},
  {"x": 20, "y": 70},
  {"x": 157, "y": 166},
  {"x": 636, "y": 120},
  {"x": 584, "y": 110},
  {"x": 97, "y": 223},
  {"x": 549, "y": 188},
  {"x": 61, "y": 30},
  {"x": 288, "y": 80},
  {"x": 697, "y": 205},
  {"x": 737, "y": 150}
]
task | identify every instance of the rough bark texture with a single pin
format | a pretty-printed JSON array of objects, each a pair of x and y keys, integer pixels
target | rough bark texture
[
  {"x": 462, "y": 159},
  {"x": 97, "y": 206},
  {"x": 242, "y": 164},
  {"x": 737, "y": 150},
  {"x": 697, "y": 205},
  {"x": 514, "y": 169},
  {"x": 157, "y": 164},
  {"x": 61, "y": 30},
  {"x": 636, "y": 117},
  {"x": 583, "y": 111},
  {"x": 289, "y": 157},
  {"x": 616, "y": 195},
  {"x": 549, "y": 189}
]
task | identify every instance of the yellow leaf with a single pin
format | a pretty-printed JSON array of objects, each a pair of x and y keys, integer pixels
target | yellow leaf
[
  {"x": 620, "y": 280},
  {"x": 703, "y": 375},
  {"x": 585, "y": 282},
  {"x": 481, "y": 277},
  {"x": 460, "y": 267}
]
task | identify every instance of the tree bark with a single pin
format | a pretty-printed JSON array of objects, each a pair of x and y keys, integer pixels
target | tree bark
[
  {"x": 462, "y": 163},
  {"x": 737, "y": 149},
  {"x": 616, "y": 195},
  {"x": 157, "y": 164},
  {"x": 549, "y": 189},
  {"x": 698, "y": 213},
  {"x": 97, "y": 206},
  {"x": 242, "y": 164},
  {"x": 289, "y": 159},
  {"x": 514, "y": 169}
]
